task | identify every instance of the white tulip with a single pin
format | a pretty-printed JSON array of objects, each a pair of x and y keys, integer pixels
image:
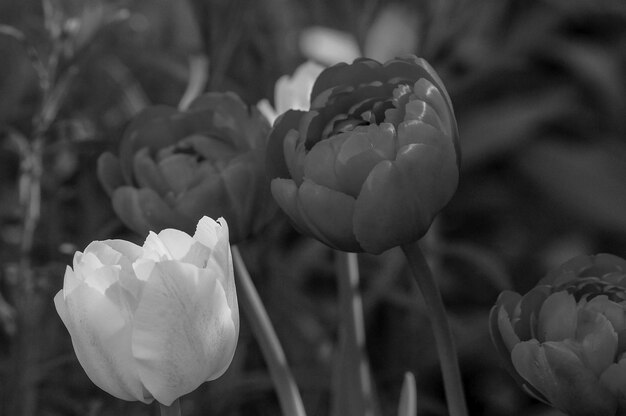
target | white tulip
[{"x": 153, "y": 322}]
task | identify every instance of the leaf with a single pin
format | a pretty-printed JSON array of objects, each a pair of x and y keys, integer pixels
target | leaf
[{"x": 408, "y": 396}]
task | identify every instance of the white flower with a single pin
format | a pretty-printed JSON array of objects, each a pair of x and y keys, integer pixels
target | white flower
[
  {"x": 292, "y": 92},
  {"x": 153, "y": 322}
]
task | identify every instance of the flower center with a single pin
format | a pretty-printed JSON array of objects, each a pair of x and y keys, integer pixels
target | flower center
[{"x": 590, "y": 287}]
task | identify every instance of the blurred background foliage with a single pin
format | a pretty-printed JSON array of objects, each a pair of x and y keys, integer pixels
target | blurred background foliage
[{"x": 539, "y": 89}]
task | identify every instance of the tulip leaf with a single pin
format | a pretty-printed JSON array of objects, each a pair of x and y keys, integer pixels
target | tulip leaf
[{"x": 408, "y": 396}]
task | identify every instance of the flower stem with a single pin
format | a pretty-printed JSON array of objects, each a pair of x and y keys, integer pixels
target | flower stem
[
  {"x": 286, "y": 388},
  {"x": 353, "y": 388},
  {"x": 172, "y": 410},
  {"x": 441, "y": 328}
]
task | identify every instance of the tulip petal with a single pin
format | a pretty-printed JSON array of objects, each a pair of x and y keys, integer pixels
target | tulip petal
[
  {"x": 413, "y": 68},
  {"x": 615, "y": 312},
  {"x": 295, "y": 154},
  {"x": 142, "y": 210},
  {"x": 558, "y": 318},
  {"x": 558, "y": 373},
  {"x": 295, "y": 92},
  {"x": 527, "y": 311},
  {"x": 275, "y": 160},
  {"x": 178, "y": 172},
  {"x": 184, "y": 330},
  {"x": 362, "y": 71},
  {"x": 330, "y": 213},
  {"x": 500, "y": 328},
  {"x": 399, "y": 199},
  {"x": 183, "y": 247},
  {"x": 147, "y": 129},
  {"x": 424, "y": 112},
  {"x": 216, "y": 236},
  {"x": 583, "y": 265},
  {"x": 109, "y": 172},
  {"x": 598, "y": 339},
  {"x": 101, "y": 340},
  {"x": 614, "y": 379},
  {"x": 147, "y": 173},
  {"x": 285, "y": 192},
  {"x": 426, "y": 91},
  {"x": 319, "y": 163},
  {"x": 363, "y": 149}
]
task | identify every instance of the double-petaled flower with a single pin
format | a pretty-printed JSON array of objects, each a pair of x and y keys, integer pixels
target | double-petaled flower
[
  {"x": 153, "y": 322},
  {"x": 176, "y": 166},
  {"x": 565, "y": 340},
  {"x": 373, "y": 160}
]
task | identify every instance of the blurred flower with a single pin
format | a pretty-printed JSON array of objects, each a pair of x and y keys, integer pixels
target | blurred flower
[
  {"x": 373, "y": 161},
  {"x": 153, "y": 322},
  {"x": 176, "y": 166},
  {"x": 292, "y": 92},
  {"x": 393, "y": 32},
  {"x": 564, "y": 341}
]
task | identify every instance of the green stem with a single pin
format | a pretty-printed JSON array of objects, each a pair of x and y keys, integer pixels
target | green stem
[
  {"x": 286, "y": 388},
  {"x": 441, "y": 328},
  {"x": 172, "y": 410},
  {"x": 353, "y": 392}
]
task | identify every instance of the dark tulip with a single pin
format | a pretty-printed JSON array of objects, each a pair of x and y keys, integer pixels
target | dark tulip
[
  {"x": 373, "y": 161},
  {"x": 565, "y": 340},
  {"x": 174, "y": 167}
]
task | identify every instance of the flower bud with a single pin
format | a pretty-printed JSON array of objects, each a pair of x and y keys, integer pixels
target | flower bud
[
  {"x": 565, "y": 341},
  {"x": 373, "y": 161},
  {"x": 176, "y": 166},
  {"x": 153, "y": 322}
]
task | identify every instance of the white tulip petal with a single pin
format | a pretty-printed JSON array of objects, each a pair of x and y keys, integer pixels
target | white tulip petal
[
  {"x": 143, "y": 269},
  {"x": 184, "y": 330},
  {"x": 101, "y": 339},
  {"x": 101, "y": 279},
  {"x": 105, "y": 254},
  {"x": 155, "y": 249},
  {"x": 198, "y": 255},
  {"x": 70, "y": 281},
  {"x": 215, "y": 234},
  {"x": 87, "y": 262},
  {"x": 178, "y": 243},
  {"x": 129, "y": 250},
  {"x": 207, "y": 231}
]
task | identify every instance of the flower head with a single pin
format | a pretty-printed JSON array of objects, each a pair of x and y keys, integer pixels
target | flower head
[
  {"x": 176, "y": 166},
  {"x": 373, "y": 161},
  {"x": 153, "y": 322},
  {"x": 565, "y": 340}
]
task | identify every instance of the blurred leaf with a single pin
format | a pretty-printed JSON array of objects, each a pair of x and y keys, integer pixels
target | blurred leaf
[
  {"x": 598, "y": 70},
  {"x": 588, "y": 181},
  {"x": 408, "y": 396},
  {"x": 492, "y": 268},
  {"x": 502, "y": 126}
]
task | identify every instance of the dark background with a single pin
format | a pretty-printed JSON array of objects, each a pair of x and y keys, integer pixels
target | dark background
[{"x": 539, "y": 90}]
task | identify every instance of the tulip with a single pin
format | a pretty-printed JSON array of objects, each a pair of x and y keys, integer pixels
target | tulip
[
  {"x": 153, "y": 322},
  {"x": 373, "y": 161},
  {"x": 292, "y": 92},
  {"x": 565, "y": 341},
  {"x": 176, "y": 166}
]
